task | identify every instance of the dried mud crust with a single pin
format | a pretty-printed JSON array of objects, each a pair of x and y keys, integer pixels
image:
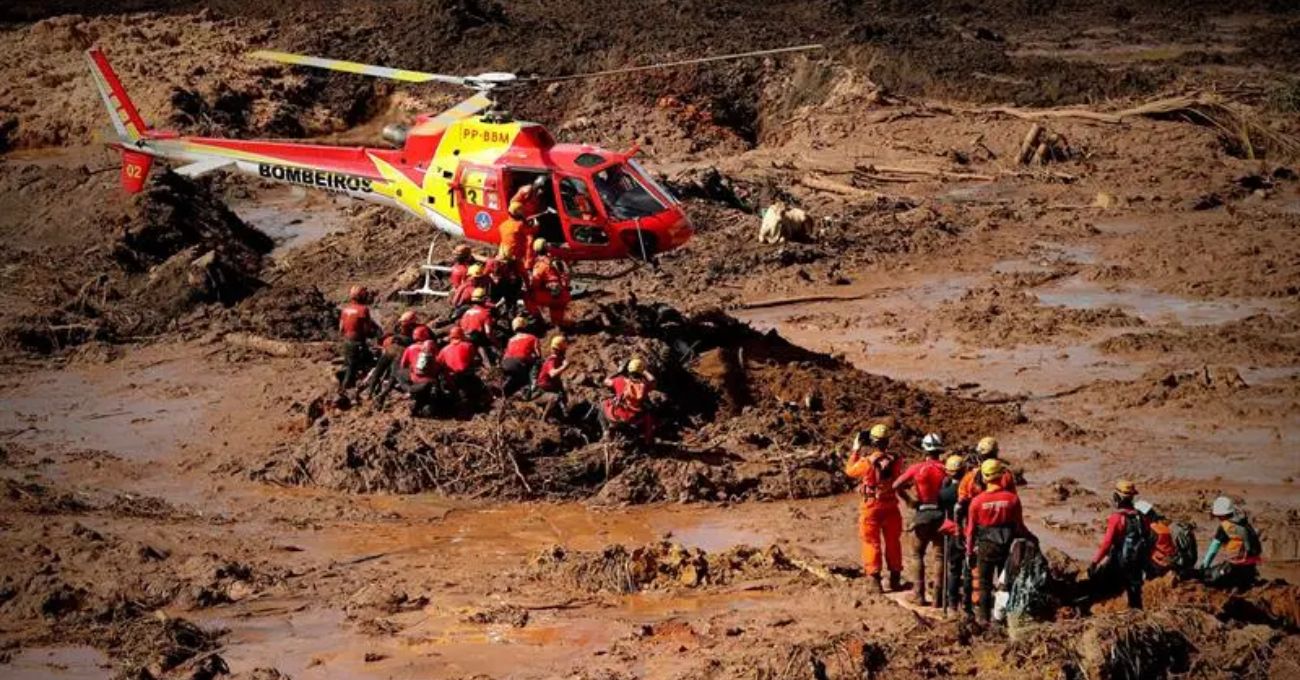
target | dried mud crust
[
  {"x": 619, "y": 569},
  {"x": 743, "y": 415},
  {"x": 93, "y": 266},
  {"x": 1261, "y": 339}
]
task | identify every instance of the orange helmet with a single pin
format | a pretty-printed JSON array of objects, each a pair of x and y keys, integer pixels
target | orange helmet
[
  {"x": 358, "y": 293},
  {"x": 407, "y": 317}
]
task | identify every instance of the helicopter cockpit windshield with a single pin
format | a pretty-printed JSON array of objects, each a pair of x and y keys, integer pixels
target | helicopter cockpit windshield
[{"x": 624, "y": 194}]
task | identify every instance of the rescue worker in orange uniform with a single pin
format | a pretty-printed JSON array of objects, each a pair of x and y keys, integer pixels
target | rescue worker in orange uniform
[
  {"x": 550, "y": 379},
  {"x": 1163, "y": 550},
  {"x": 1121, "y": 559},
  {"x": 518, "y": 230},
  {"x": 879, "y": 517},
  {"x": 458, "y": 363},
  {"x": 1238, "y": 540},
  {"x": 548, "y": 286},
  {"x": 523, "y": 351},
  {"x": 422, "y": 378},
  {"x": 996, "y": 519},
  {"x": 628, "y": 408},
  {"x": 381, "y": 378},
  {"x": 928, "y": 477},
  {"x": 476, "y": 322},
  {"x": 461, "y": 259},
  {"x": 952, "y": 529},
  {"x": 357, "y": 327}
]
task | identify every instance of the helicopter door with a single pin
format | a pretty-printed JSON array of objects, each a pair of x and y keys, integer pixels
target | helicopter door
[
  {"x": 481, "y": 205},
  {"x": 582, "y": 222}
]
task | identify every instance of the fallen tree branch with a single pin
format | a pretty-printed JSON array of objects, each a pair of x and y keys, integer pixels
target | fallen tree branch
[{"x": 801, "y": 299}]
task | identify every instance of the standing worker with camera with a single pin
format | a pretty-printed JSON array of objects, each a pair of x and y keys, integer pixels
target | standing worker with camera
[{"x": 876, "y": 468}]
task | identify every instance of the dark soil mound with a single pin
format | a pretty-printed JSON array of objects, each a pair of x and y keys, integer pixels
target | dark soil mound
[{"x": 742, "y": 415}]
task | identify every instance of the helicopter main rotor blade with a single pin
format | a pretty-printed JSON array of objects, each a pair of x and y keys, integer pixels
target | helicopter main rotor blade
[
  {"x": 357, "y": 67},
  {"x": 670, "y": 64},
  {"x": 461, "y": 111}
]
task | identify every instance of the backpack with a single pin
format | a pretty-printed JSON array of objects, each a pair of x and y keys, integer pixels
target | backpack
[
  {"x": 1185, "y": 550},
  {"x": 1027, "y": 576},
  {"x": 1135, "y": 544}
]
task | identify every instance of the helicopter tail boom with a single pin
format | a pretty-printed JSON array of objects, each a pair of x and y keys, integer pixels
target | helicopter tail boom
[{"x": 130, "y": 127}]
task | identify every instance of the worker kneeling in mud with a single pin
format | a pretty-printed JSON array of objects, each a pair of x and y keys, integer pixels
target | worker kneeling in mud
[
  {"x": 995, "y": 520},
  {"x": 1165, "y": 556},
  {"x": 381, "y": 378},
  {"x": 628, "y": 410},
  {"x": 507, "y": 282},
  {"x": 549, "y": 385},
  {"x": 422, "y": 378},
  {"x": 876, "y": 470},
  {"x": 1121, "y": 559},
  {"x": 523, "y": 351},
  {"x": 476, "y": 277},
  {"x": 928, "y": 477},
  {"x": 1238, "y": 542},
  {"x": 458, "y": 365},
  {"x": 356, "y": 327},
  {"x": 477, "y": 324}
]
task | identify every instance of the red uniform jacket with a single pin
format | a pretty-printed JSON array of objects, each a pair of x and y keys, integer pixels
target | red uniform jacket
[
  {"x": 997, "y": 508},
  {"x": 928, "y": 476},
  {"x": 629, "y": 398},
  {"x": 458, "y": 273},
  {"x": 550, "y": 284},
  {"x": 355, "y": 323},
  {"x": 546, "y": 378},
  {"x": 523, "y": 346},
  {"x": 458, "y": 356},
  {"x": 417, "y": 376},
  {"x": 1114, "y": 532},
  {"x": 476, "y": 319}
]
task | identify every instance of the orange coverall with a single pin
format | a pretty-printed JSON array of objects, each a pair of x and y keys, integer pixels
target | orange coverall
[{"x": 879, "y": 514}]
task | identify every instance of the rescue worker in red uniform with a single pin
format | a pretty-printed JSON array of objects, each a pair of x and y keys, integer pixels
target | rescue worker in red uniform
[
  {"x": 356, "y": 328},
  {"x": 507, "y": 281},
  {"x": 1239, "y": 542},
  {"x": 550, "y": 379},
  {"x": 628, "y": 409},
  {"x": 394, "y": 344},
  {"x": 1121, "y": 559},
  {"x": 954, "y": 544},
  {"x": 548, "y": 286},
  {"x": 476, "y": 277},
  {"x": 523, "y": 351},
  {"x": 876, "y": 471},
  {"x": 461, "y": 259},
  {"x": 995, "y": 520},
  {"x": 972, "y": 483},
  {"x": 928, "y": 477},
  {"x": 422, "y": 378},
  {"x": 458, "y": 362},
  {"x": 476, "y": 321}
]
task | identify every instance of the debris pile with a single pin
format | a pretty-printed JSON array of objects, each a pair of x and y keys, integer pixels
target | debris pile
[{"x": 618, "y": 569}]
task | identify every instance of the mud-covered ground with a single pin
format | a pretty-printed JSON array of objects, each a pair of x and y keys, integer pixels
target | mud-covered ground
[{"x": 181, "y": 498}]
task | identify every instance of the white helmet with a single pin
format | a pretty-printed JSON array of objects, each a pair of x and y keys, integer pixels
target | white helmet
[
  {"x": 1143, "y": 507},
  {"x": 1222, "y": 507},
  {"x": 932, "y": 443}
]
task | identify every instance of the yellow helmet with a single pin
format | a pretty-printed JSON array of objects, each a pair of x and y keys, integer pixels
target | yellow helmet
[
  {"x": 991, "y": 468},
  {"x": 1125, "y": 487},
  {"x": 475, "y": 269},
  {"x": 635, "y": 365},
  {"x": 559, "y": 342},
  {"x": 987, "y": 447},
  {"x": 477, "y": 294},
  {"x": 519, "y": 323},
  {"x": 953, "y": 464},
  {"x": 539, "y": 245},
  {"x": 879, "y": 431}
]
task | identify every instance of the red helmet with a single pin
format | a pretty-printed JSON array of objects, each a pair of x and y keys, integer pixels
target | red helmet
[
  {"x": 428, "y": 346},
  {"x": 456, "y": 333},
  {"x": 358, "y": 293},
  {"x": 421, "y": 334}
]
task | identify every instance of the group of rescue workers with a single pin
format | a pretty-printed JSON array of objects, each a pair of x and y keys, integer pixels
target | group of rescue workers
[
  {"x": 439, "y": 361},
  {"x": 970, "y": 511}
]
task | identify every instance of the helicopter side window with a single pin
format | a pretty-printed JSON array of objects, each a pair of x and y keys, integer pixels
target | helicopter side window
[
  {"x": 577, "y": 199},
  {"x": 623, "y": 194},
  {"x": 481, "y": 189}
]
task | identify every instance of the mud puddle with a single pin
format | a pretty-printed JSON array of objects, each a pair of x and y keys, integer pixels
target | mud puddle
[
  {"x": 57, "y": 663},
  {"x": 1152, "y": 306},
  {"x": 292, "y": 216}
]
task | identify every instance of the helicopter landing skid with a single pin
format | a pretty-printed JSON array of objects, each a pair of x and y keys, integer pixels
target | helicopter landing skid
[{"x": 430, "y": 270}]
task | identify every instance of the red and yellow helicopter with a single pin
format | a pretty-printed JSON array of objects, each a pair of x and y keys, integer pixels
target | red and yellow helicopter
[{"x": 457, "y": 169}]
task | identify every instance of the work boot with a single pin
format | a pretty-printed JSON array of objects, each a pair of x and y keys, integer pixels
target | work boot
[
  {"x": 896, "y": 581},
  {"x": 873, "y": 584},
  {"x": 918, "y": 594}
]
